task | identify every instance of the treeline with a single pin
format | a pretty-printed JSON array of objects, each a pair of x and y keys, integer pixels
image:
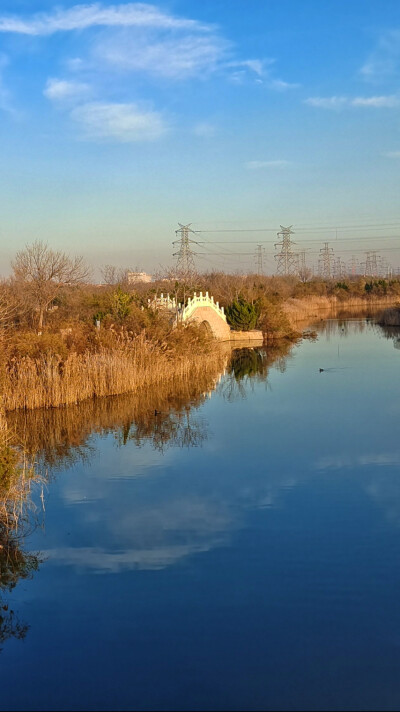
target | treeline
[{"x": 64, "y": 338}]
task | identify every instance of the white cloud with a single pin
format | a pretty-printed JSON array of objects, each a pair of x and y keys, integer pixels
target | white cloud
[
  {"x": 119, "y": 122},
  {"x": 102, "y": 561},
  {"x": 340, "y": 462},
  {"x": 80, "y": 17},
  {"x": 255, "y": 65},
  {"x": 330, "y": 102},
  {"x": 61, "y": 90},
  {"x": 174, "y": 58},
  {"x": 280, "y": 85},
  {"x": 261, "y": 68},
  {"x": 74, "y": 64},
  {"x": 384, "y": 61},
  {"x": 339, "y": 102},
  {"x": 257, "y": 165},
  {"x": 204, "y": 130},
  {"x": 6, "y": 103},
  {"x": 392, "y": 154},
  {"x": 376, "y": 101}
]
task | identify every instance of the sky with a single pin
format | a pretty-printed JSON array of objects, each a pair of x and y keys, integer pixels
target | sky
[{"x": 120, "y": 120}]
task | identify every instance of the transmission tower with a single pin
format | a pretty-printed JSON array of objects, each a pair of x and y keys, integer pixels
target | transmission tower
[
  {"x": 287, "y": 261},
  {"x": 339, "y": 268},
  {"x": 326, "y": 259},
  {"x": 353, "y": 266},
  {"x": 185, "y": 254},
  {"x": 388, "y": 270},
  {"x": 259, "y": 259},
  {"x": 371, "y": 265}
]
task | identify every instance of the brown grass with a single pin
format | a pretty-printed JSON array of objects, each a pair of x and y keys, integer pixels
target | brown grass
[
  {"x": 301, "y": 312},
  {"x": 390, "y": 317},
  {"x": 58, "y": 436},
  {"x": 52, "y": 381}
]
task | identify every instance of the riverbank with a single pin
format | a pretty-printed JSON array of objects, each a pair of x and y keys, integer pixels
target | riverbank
[
  {"x": 53, "y": 381},
  {"x": 53, "y": 369},
  {"x": 302, "y": 312}
]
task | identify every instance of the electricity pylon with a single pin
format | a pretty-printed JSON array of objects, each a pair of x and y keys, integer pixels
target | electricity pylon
[
  {"x": 326, "y": 261},
  {"x": 287, "y": 261},
  {"x": 259, "y": 257},
  {"x": 185, "y": 254},
  {"x": 371, "y": 265}
]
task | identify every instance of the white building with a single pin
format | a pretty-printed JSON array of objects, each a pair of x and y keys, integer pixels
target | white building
[{"x": 134, "y": 277}]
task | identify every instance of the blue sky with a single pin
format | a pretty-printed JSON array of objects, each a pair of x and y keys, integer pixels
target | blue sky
[{"x": 119, "y": 120}]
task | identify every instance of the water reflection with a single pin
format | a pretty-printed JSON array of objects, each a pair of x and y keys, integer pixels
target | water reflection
[
  {"x": 252, "y": 365},
  {"x": 163, "y": 524},
  {"x": 248, "y": 534},
  {"x": 16, "y": 506},
  {"x": 391, "y": 332},
  {"x": 165, "y": 417},
  {"x": 60, "y": 437}
]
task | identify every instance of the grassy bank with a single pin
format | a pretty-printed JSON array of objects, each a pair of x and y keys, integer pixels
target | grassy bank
[
  {"x": 301, "y": 312},
  {"x": 50, "y": 380},
  {"x": 64, "y": 340}
]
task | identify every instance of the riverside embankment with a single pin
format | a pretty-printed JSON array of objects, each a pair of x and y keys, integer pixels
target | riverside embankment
[{"x": 303, "y": 312}]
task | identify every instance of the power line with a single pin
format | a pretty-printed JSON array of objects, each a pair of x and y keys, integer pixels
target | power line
[
  {"x": 311, "y": 228},
  {"x": 313, "y": 239}
]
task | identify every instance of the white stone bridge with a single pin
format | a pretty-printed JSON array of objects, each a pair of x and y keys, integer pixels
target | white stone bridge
[{"x": 202, "y": 308}]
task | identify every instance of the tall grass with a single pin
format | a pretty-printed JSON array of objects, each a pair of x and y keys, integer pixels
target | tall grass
[
  {"x": 302, "y": 311},
  {"x": 51, "y": 381},
  {"x": 59, "y": 436}
]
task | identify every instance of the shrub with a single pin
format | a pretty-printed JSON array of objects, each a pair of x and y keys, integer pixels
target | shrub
[{"x": 242, "y": 315}]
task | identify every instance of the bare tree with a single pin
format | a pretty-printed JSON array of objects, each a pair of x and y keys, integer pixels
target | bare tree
[
  {"x": 305, "y": 274},
  {"x": 114, "y": 276},
  {"x": 8, "y": 308},
  {"x": 178, "y": 283},
  {"x": 42, "y": 272}
]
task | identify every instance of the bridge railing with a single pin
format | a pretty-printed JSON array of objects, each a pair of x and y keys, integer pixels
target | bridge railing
[
  {"x": 162, "y": 302},
  {"x": 201, "y": 300},
  {"x": 184, "y": 311}
]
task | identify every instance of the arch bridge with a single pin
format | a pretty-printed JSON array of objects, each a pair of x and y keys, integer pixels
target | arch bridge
[{"x": 202, "y": 309}]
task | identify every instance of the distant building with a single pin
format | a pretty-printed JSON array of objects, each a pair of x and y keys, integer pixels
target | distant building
[{"x": 134, "y": 277}]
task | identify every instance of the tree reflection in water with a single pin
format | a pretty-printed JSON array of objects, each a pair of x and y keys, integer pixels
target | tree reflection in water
[
  {"x": 57, "y": 438},
  {"x": 253, "y": 365},
  {"x": 391, "y": 332},
  {"x": 16, "y": 508}
]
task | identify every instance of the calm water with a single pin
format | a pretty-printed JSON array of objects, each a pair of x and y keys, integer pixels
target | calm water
[{"x": 239, "y": 552}]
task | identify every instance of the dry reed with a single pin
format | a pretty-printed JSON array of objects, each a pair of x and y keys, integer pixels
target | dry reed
[
  {"x": 52, "y": 381},
  {"x": 301, "y": 312}
]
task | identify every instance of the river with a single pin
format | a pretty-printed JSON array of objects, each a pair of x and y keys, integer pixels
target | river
[{"x": 239, "y": 549}]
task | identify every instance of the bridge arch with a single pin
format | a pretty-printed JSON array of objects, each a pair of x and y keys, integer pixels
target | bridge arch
[{"x": 202, "y": 309}]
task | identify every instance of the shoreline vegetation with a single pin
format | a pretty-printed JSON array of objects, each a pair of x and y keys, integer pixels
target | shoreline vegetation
[
  {"x": 18, "y": 478},
  {"x": 64, "y": 340},
  {"x": 390, "y": 317}
]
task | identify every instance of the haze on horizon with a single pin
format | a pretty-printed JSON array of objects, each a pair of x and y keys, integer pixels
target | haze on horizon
[{"x": 117, "y": 120}]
